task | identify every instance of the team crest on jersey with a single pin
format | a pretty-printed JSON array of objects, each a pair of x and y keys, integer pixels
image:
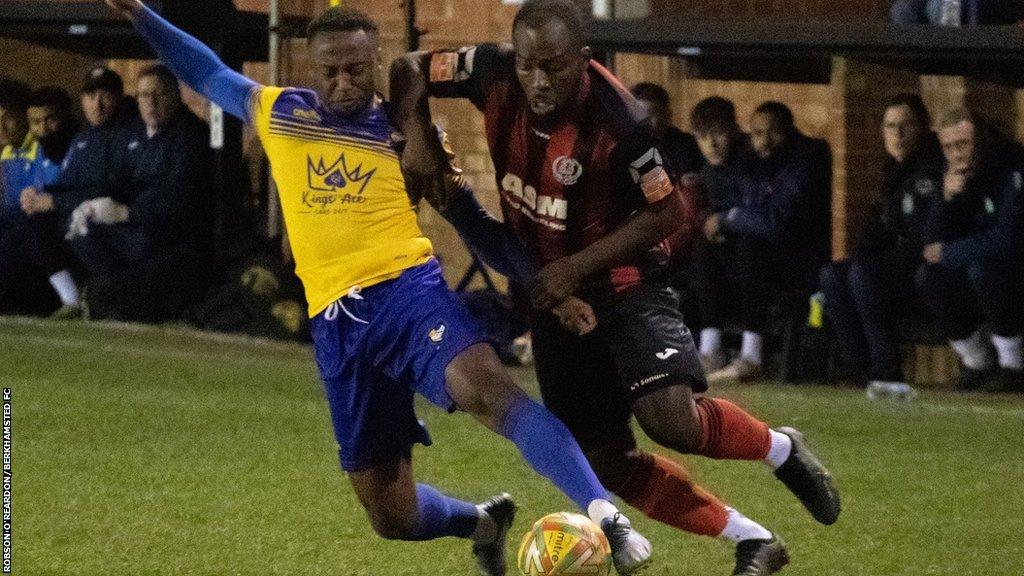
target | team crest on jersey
[
  {"x": 566, "y": 170},
  {"x": 437, "y": 334},
  {"x": 326, "y": 182}
]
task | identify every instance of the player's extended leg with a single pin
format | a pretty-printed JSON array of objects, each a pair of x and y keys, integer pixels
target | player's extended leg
[
  {"x": 658, "y": 362},
  {"x": 719, "y": 429},
  {"x": 580, "y": 382},
  {"x": 401, "y": 509},
  {"x": 480, "y": 386}
]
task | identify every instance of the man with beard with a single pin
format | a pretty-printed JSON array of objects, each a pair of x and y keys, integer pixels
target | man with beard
[
  {"x": 33, "y": 248},
  {"x": 584, "y": 190}
]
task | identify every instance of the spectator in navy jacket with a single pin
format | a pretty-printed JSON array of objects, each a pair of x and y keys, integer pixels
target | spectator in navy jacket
[
  {"x": 865, "y": 294},
  {"x": 774, "y": 231},
  {"x": 973, "y": 260},
  {"x": 721, "y": 143},
  {"x": 143, "y": 243},
  {"x": 84, "y": 174}
]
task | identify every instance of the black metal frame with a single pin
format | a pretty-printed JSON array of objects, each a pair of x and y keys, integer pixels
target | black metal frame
[
  {"x": 803, "y": 52},
  {"x": 93, "y": 29}
]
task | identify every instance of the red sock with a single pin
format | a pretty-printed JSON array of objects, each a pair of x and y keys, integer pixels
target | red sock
[
  {"x": 662, "y": 490},
  {"x": 730, "y": 433}
]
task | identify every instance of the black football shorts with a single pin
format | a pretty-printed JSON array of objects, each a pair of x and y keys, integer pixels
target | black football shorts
[{"x": 641, "y": 345}]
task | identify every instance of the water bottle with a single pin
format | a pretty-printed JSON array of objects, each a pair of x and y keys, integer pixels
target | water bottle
[
  {"x": 816, "y": 310},
  {"x": 949, "y": 14},
  {"x": 898, "y": 391}
]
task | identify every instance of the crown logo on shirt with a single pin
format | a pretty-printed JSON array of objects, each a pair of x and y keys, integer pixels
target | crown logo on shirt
[{"x": 336, "y": 176}]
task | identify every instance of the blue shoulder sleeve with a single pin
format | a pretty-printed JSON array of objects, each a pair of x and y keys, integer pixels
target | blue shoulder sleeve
[{"x": 196, "y": 64}]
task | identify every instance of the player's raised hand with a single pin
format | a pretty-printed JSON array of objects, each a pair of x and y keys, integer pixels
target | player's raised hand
[
  {"x": 576, "y": 315},
  {"x": 125, "y": 7}
]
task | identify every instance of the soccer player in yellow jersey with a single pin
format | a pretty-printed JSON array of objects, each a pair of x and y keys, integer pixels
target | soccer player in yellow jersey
[{"x": 385, "y": 325}]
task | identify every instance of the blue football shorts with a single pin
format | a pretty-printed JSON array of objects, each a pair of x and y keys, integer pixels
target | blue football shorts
[{"x": 376, "y": 348}]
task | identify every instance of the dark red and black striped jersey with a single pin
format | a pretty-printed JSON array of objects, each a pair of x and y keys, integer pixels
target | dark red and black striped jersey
[{"x": 568, "y": 181}]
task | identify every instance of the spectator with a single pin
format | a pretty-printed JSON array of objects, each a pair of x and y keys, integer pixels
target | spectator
[
  {"x": 768, "y": 242},
  {"x": 721, "y": 143},
  {"x": 865, "y": 294},
  {"x": 32, "y": 252},
  {"x": 15, "y": 141},
  {"x": 142, "y": 244},
  {"x": 87, "y": 168},
  {"x": 679, "y": 150},
  {"x": 973, "y": 261},
  {"x": 972, "y": 11},
  {"x": 84, "y": 175}
]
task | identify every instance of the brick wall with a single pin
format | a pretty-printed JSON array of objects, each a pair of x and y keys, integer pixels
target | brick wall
[{"x": 847, "y": 111}]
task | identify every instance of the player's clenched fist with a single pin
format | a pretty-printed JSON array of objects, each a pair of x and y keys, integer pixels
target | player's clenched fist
[
  {"x": 576, "y": 315},
  {"x": 125, "y": 7}
]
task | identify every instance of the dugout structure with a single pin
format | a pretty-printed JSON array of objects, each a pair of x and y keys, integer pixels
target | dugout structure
[{"x": 90, "y": 28}]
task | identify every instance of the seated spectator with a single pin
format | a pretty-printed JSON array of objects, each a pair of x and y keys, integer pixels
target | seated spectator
[
  {"x": 678, "y": 149},
  {"x": 84, "y": 175},
  {"x": 15, "y": 142},
  {"x": 865, "y": 294},
  {"x": 721, "y": 143},
  {"x": 32, "y": 250},
  {"x": 143, "y": 243},
  {"x": 767, "y": 241},
  {"x": 993, "y": 12},
  {"x": 973, "y": 261}
]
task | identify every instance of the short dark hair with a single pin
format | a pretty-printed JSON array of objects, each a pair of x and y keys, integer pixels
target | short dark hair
[
  {"x": 711, "y": 113},
  {"x": 53, "y": 97},
  {"x": 535, "y": 13},
  {"x": 160, "y": 71},
  {"x": 779, "y": 112},
  {"x": 917, "y": 108},
  {"x": 14, "y": 96},
  {"x": 341, "y": 19},
  {"x": 652, "y": 93}
]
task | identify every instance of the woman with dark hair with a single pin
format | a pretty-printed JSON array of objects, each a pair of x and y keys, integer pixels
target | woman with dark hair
[{"x": 864, "y": 294}]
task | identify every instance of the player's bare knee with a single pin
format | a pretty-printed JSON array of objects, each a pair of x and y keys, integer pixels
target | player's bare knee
[
  {"x": 668, "y": 417},
  {"x": 480, "y": 386}
]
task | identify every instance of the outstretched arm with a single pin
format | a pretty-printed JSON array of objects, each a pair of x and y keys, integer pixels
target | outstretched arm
[{"x": 190, "y": 60}]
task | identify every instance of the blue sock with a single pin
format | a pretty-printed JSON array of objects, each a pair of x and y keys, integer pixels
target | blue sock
[
  {"x": 549, "y": 448},
  {"x": 441, "y": 515}
]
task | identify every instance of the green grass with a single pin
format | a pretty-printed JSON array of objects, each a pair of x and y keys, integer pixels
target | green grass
[{"x": 160, "y": 451}]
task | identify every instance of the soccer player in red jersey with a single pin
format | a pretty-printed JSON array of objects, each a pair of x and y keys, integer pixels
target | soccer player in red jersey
[{"x": 583, "y": 189}]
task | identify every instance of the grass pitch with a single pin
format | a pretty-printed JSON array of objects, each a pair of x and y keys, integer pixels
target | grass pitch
[{"x": 151, "y": 451}]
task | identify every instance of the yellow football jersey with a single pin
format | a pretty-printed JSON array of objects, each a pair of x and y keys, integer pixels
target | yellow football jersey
[{"x": 350, "y": 221}]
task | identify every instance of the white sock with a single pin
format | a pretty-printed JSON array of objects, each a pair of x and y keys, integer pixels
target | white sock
[
  {"x": 973, "y": 352},
  {"x": 1010, "y": 351},
  {"x": 710, "y": 341},
  {"x": 599, "y": 509},
  {"x": 780, "y": 449},
  {"x": 64, "y": 285},
  {"x": 753, "y": 343},
  {"x": 486, "y": 528},
  {"x": 739, "y": 528}
]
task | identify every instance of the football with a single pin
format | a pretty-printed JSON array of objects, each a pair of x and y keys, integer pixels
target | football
[{"x": 564, "y": 543}]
